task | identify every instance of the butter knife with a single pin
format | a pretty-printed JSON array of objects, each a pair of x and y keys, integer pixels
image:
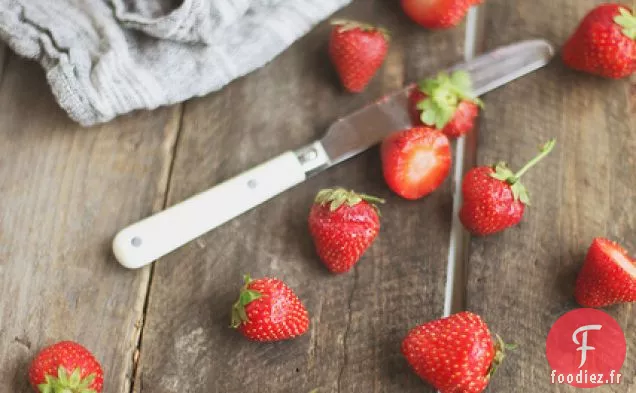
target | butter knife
[{"x": 151, "y": 238}]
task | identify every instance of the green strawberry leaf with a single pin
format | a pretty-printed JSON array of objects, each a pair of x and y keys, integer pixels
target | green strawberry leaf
[
  {"x": 628, "y": 22},
  {"x": 502, "y": 172},
  {"x": 62, "y": 376},
  {"x": 500, "y": 354},
  {"x": 461, "y": 80},
  {"x": 75, "y": 377},
  {"x": 520, "y": 193},
  {"x": 338, "y": 201},
  {"x": 246, "y": 296},
  {"x": 45, "y": 388},
  {"x": 444, "y": 93},
  {"x": 340, "y": 196},
  {"x": 249, "y": 296},
  {"x": 65, "y": 383},
  {"x": 354, "y": 200},
  {"x": 346, "y": 25},
  {"x": 88, "y": 380},
  {"x": 429, "y": 113}
]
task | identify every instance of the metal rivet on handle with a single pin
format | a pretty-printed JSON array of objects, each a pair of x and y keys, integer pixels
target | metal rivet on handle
[
  {"x": 136, "y": 241},
  {"x": 252, "y": 183},
  {"x": 309, "y": 155}
]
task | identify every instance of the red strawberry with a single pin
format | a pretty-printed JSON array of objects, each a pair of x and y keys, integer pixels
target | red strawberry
[
  {"x": 604, "y": 43},
  {"x": 608, "y": 276},
  {"x": 268, "y": 310},
  {"x": 494, "y": 199},
  {"x": 446, "y": 103},
  {"x": 357, "y": 51},
  {"x": 66, "y": 367},
  {"x": 438, "y": 14},
  {"x": 343, "y": 225},
  {"x": 415, "y": 161},
  {"x": 454, "y": 354}
]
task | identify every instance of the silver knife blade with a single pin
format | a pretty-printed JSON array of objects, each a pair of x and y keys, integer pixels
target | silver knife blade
[{"x": 366, "y": 127}]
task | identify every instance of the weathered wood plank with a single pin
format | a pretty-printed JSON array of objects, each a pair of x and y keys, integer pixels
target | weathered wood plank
[
  {"x": 522, "y": 280},
  {"x": 64, "y": 192},
  {"x": 358, "y": 319}
]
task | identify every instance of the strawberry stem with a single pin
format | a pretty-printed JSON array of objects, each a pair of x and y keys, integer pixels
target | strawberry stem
[{"x": 545, "y": 150}]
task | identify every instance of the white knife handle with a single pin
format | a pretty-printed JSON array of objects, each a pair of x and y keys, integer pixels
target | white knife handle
[{"x": 157, "y": 235}]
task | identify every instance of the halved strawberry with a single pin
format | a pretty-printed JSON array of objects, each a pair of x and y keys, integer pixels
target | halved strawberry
[
  {"x": 415, "y": 161},
  {"x": 607, "y": 277}
]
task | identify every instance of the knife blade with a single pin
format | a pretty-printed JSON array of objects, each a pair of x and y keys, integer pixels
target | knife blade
[
  {"x": 366, "y": 127},
  {"x": 153, "y": 237}
]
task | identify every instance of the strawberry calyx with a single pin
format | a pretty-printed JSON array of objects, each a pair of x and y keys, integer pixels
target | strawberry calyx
[
  {"x": 246, "y": 296},
  {"x": 500, "y": 353},
  {"x": 503, "y": 173},
  {"x": 65, "y": 383},
  {"x": 627, "y": 21},
  {"x": 336, "y": 197},
  {"x": 346, "y": 25},
  {"x": 444, "y": 94}
]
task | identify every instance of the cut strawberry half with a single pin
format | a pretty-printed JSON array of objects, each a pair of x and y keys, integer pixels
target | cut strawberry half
[
  {"x": 608, "y": 276},
  {"x": 621, "y": 258},
  {"x": 416, "y": 161}
]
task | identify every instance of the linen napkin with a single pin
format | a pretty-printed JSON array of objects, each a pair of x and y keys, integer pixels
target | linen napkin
[{"x": 104, "y": 58}]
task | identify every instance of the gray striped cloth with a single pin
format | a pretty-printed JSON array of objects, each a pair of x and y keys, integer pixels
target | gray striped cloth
[{"x": 104, "y": 58}]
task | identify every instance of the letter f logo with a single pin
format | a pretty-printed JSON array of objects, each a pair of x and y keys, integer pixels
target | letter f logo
[{"x": 583, "y": 343}]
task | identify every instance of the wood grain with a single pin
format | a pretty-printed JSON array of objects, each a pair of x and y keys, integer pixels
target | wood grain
[
  {"x": 64, "y": 192},
  {"x": 522, "y": 280},
  {"x": 358, "y": 319}
]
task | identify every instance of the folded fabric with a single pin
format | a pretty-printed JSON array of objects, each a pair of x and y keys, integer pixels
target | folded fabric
[{"x": 104, "y": 58}]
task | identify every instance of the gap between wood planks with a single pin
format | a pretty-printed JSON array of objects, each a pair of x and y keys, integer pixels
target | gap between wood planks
[
  {"x": 171, "y": 151},
  {"x": 465, "y": 150}
]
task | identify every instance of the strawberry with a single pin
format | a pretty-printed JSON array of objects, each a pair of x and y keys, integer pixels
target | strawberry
[
  {"x": 268, "y": 310},
  {"x": 357, "y": 51},
  {"x": 494, "y": 199},
  {"x": 604, "y": 43},
  {"x": 438, "y": 14},
  {"x": 66, "y": 367},
  {"x": 608, "y": 276},
  {"x": 415, "y": 161},
  {"x": 343, "y": 225},
  {"x": 454, "y": 354},
  {"x": 446, "y": 103}
]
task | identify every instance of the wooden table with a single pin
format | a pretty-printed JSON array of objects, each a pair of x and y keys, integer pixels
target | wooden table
[{"x": 65, "y": 191}]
